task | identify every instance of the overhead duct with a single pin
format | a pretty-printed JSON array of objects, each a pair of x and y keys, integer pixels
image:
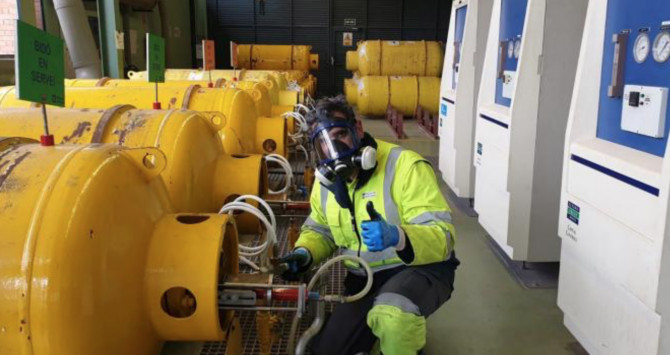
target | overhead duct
[{"x": 79, "y": 38}]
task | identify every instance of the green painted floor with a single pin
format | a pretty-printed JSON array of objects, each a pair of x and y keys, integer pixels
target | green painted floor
[{"x": 490, "y": 312}]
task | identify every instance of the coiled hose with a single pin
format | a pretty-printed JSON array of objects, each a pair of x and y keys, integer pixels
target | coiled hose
[{"x": 270, "y": 226}]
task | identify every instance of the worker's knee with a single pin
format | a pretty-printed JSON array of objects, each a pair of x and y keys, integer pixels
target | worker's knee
[{"x": 400, "y": 331}]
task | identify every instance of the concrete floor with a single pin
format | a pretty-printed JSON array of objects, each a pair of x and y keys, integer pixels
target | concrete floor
[{"x": 490, "y": 312}]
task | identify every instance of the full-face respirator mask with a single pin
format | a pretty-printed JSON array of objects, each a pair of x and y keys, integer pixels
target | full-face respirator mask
[{"x": 339, "y": 151}]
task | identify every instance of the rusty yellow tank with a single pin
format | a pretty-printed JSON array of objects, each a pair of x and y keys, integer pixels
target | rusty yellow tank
[
  {"x": 276, "y": 57},
  {"x": 200, "y": 176},
  {"x": 373, "y": 94},
  {"x": 239, "y": 132},
  {"x": 96, "y": 261},
  {"x": 266, "y": 97},
  {"x": 259, "y": 91},
  {"x": 227, "y": 74},
  {"x": 279, "y": 81},
  {"x": 423, "y": 58},
  {"x": 125, "y": 83}
]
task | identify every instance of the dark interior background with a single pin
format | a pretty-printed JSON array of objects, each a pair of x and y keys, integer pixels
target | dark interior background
[{"x": 321, "y": 24}]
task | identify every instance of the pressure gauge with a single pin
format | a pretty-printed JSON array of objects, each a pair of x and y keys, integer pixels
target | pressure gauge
[
  {"x": 517, "y": 48},
  {"x": 510, "y": 48},
  {"x": 662, "y": 47},
  {"x": 641, "y": 47}
]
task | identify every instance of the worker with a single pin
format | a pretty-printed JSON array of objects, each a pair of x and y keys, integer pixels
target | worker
[{"x": 405, "y": 235}]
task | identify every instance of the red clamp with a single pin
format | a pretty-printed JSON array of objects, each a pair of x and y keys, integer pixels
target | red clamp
[{"x": 157, "y": 105}]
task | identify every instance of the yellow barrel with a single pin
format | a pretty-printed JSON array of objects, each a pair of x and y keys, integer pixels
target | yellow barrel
[
  {"x": 125, "y": 83},
  {"x": 423, "y": 58},
  {"x": 276, "y": 57},
  {"x": 94, "y": 259},
  {"x": 238, "y": 134},
  {"x": 264, "y": 100},
  {"x": 278, "y": 79},
  {"x": 290, "y": 75},
  {"x": 373, "y": 94},
  {"x": 260, "y": 92},
  {"x": 200, "y": 176}
]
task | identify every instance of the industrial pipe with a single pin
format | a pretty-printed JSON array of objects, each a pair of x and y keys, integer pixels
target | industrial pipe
[
  {"x": 373, "y": 94},
  {"x": 423, "y": 58},
  {"x": 79, "y": 38},
  {"x": 96, "y": 261}
]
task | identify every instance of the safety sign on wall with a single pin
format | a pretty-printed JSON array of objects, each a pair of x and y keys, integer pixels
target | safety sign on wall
[
  {"x": 40, "y": 66},
  {"x": 347, "y": 39}
]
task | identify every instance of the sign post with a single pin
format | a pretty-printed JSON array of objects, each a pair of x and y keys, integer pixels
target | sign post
[
  {"x": 156, "y": 63},
  {"x": 233, "y": 58},
  {"x": 40, "y": 71},
  {"x": 208, "y": 59}
]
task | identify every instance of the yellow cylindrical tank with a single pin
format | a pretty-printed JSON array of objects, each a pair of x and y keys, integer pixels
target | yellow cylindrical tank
[
  {"x": 276, "y": 57},
  {"x": 278, "y": 79},
  {"x": 94, "y": 259},
  {"x": 238, "y": 134},
  {"x": 373, "y": 94},
  {"x": 422, "y": 58},
  {"x": 260, "y": 92},
  {"x": 263, "y": 99},
  {"x": 200, "y": 176},
  {"x": 125, "y": 83}
]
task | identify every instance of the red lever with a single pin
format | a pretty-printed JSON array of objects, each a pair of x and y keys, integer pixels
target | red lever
[{"x": 281, "y": 294}]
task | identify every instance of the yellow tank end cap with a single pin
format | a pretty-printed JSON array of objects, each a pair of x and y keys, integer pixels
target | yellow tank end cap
[
  {"x": 351, "y": 91},
  {"x": 188, "y": 257},
  {"x": 352, "y": 60}
]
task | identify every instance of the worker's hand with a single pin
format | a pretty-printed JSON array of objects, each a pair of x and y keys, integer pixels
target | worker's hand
[
  {"x": 298, "y": 261},
  {"x": 379, "y": 235}
]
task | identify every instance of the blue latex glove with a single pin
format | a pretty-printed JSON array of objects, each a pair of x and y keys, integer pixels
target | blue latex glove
[
  {"x": 379, "y": 235},
  {"x": 298, "y": 261}
]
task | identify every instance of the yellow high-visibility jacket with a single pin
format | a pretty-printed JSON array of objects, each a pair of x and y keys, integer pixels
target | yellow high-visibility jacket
[{"x": 405, "y": 192}]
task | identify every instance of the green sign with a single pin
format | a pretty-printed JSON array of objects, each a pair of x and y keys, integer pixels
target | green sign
[
  {"x": 40, "y": 66},
  {"x": 155, "y": 58}
]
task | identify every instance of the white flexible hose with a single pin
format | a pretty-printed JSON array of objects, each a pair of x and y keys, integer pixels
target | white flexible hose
[
  {"x": 302, "y": 123},
  {"x": 302, "y": 107},
  {"x": 302, "y": 147},
  {"x": 272, "y": 235},
  {"x": 340, "y": 298},
  {"x": 320, "y": 319},
  {"x": 265, "y": 205},
  {"x": 286, "y": 166},
  {"x": 250, "y": 263}
]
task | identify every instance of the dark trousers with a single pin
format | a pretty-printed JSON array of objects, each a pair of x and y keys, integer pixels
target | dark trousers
[{"x": 346, "y": 331}]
